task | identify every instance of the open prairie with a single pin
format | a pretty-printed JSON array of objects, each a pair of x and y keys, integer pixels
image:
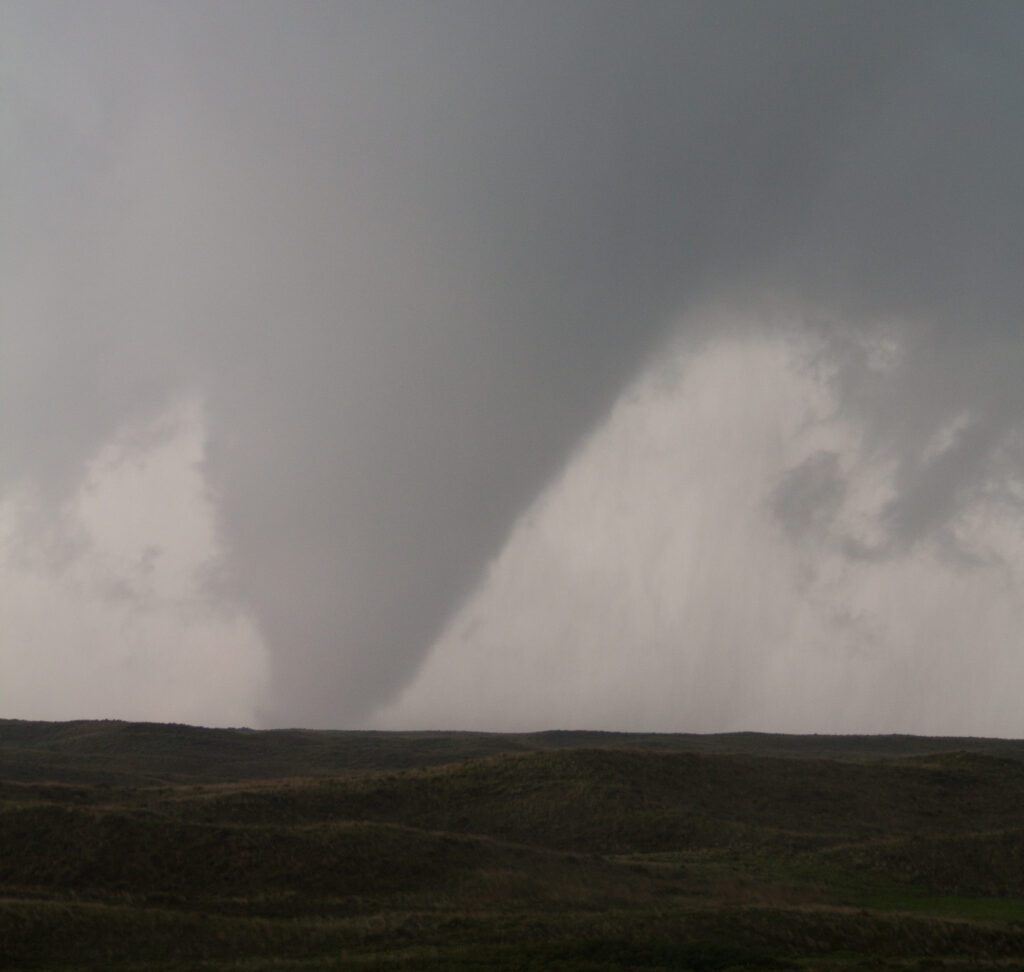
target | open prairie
[{"x": 127, "y": 846}]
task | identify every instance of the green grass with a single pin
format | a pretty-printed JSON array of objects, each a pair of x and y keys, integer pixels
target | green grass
[
  {"x": 819, "y": 877},
  {"x": 153, "y": 851}
]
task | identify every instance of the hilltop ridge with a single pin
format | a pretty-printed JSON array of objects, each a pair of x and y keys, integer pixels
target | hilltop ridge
[{"x": 113, "y": 751}]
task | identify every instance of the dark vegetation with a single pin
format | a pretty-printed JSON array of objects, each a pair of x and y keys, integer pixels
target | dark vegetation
[{"x": 126, "y": 846}]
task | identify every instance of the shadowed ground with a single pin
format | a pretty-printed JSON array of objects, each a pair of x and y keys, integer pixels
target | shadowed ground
[{"x": 128, "y": 846}]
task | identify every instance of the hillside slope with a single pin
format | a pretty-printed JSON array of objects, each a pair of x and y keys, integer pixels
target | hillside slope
[
  {"x": 537, "y": 856},
  {"x": 110, "y": 751}
]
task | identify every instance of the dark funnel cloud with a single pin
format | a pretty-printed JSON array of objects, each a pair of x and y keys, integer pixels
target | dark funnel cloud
[{"x": 408, "y": 254}]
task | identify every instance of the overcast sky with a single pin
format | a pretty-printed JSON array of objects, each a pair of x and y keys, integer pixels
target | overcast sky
[{"x": 516, "y": 364}]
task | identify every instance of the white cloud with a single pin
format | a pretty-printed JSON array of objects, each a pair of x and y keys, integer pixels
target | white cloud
[
  {"x": 653, "y": 586},
  {"x": 106, "y": 610}
]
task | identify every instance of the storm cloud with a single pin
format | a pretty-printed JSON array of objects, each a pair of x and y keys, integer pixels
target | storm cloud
[{"x": 406, "y": 259}]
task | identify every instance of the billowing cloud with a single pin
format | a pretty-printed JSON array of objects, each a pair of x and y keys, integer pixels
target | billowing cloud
[
  {"x": 112, "y": 603},
  {"x": 408, "y": 256},
  {"x": 809, "y": 494},
  {"x": 701, "y": 562}
]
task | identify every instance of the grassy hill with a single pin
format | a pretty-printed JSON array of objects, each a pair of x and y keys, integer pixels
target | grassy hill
[
  {"x": 128, "y": 846},
  {"x": 113, "y": 752}
]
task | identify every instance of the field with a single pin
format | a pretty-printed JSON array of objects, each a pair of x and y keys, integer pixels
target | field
[{"x": 138, "y": 846}]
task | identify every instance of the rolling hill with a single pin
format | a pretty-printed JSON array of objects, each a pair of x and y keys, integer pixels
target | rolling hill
[{"x": 128, "y": 846}]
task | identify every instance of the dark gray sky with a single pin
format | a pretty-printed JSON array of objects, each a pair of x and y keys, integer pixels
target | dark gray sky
[{"x": 341, "y": 341}]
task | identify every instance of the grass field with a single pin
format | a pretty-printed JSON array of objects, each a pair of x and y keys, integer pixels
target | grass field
[{"x": 126, "y": 846}]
